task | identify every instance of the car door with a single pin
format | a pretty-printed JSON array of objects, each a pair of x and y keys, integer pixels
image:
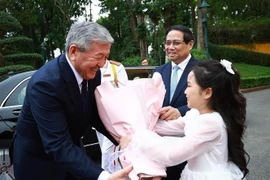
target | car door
[{"x": 11, "y": 108}]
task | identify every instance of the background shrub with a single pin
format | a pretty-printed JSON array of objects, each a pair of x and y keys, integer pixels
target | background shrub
[{"x": 15, "y": 68}]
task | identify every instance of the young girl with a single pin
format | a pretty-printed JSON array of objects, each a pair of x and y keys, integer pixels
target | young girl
[{"x": 213, "y": 129}]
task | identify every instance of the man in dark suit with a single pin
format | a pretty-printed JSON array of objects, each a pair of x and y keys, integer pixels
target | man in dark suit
[
  {"x": 58, "y": 109},
  {"x": 178, "y": 44}
]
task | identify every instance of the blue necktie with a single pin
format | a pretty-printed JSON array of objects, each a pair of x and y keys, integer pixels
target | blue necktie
[
  {"x": 174, "y": 81},
  {"x": 85, "y": 97}
]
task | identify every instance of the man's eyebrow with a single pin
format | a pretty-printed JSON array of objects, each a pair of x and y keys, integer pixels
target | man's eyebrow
[{"x": 99, "y": 54}]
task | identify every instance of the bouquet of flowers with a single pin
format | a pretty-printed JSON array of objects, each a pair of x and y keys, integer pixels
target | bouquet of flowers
[{"x": 129, "y": 109}]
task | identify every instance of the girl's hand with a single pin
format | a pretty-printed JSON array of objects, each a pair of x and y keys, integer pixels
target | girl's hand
[
  {"x": 121, "y": 174},
  {"x": 124, "y": 141}
]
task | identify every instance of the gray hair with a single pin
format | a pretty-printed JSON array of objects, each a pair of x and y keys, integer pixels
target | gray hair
[{"x": 82, "y": 34}]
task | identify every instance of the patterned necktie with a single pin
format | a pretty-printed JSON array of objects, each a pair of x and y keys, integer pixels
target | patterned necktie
[
  {"x": 85, "y": 97},
  {"x": 174, "y": 81}
]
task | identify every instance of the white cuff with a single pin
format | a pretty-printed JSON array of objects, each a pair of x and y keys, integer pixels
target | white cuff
[{"x": 104, "y": 175}]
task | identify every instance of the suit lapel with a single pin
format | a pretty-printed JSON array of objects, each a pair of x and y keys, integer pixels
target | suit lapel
[
  {"x": 182, "y": 83},
  {"x": 72, "y": 87},
  {"x": 166, "y": 75}
]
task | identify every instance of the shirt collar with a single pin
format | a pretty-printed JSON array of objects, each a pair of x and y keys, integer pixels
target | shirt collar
[
  {"x": 79, "y": 79},
  {"x": 183, "y": 64}
]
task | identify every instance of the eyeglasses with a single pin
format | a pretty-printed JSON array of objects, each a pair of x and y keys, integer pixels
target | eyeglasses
[{"x": 174, "y": 43}]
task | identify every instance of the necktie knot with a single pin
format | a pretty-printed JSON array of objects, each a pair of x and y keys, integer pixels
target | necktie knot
[
  {"x": 176, "y": 68},
  {"x": 84, "y": 83}
]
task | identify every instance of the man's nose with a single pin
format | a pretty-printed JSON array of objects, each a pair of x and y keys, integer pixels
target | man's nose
[
  {"x": 101, "y": 63},
  {"x": 171, "y": 45}
]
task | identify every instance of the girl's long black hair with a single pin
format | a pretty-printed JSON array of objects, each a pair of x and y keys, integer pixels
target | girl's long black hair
[{"x": 229, "y": 102}]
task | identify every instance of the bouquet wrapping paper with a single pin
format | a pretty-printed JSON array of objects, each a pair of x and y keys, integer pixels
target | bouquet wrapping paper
[{"x": 129, "y": 109}]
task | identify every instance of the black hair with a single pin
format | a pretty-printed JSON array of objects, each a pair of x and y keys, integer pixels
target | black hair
[
  {"x": 229, "y": 102},
  {"x": 188, "y": 35}
]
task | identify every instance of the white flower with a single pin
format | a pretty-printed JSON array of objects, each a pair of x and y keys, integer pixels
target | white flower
[{"x": 227, "y": 64}]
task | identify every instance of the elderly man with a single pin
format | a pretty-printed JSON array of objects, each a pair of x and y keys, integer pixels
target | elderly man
[{"x": 59, "y": 106}]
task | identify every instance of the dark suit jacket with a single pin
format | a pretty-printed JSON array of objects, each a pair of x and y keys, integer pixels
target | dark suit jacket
[
  {"x": 179, "y": 101},
  {"x": 47, "y": 144}
]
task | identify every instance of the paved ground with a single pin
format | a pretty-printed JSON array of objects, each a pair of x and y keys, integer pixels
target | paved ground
[{"x": 257, "y": 140}]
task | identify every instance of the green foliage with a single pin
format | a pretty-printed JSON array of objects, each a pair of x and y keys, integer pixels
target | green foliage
[
  {"x": 8, "y": 24},
  {"x": 22, "y": 40},
  {"x": 137, "y": 60},
  {"x": 23, "y": 56},
  {"x": 132, "y": 61},
  {"x": 252, "y": 75},
  {"x": 238, "y": 22},
  {"x": 124, "y": 46},
  {"x": 15, "y": 68},
  {"x": 239, "y": 55},
  {"x": 247, "y": 70},
  {"x": 238, "y": 9},
  {"x": 133, "y": 36},
  {"x": 251, "y": 82},
  {"x": 42, "y": 18},
  {"x": 12, "y": 46},
  {"x": 31, "y": 59},
  {"x": 228, "y": 31},
  {"x": 199, "y": 54},
  {"x": 229, "y": 21},
  {"x": 141, "y": 30},
  {"x": 152, "y": 62}
]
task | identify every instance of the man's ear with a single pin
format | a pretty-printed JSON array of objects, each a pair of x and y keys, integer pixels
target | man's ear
[
  {"x": 208, "y": 93},
  {"x": 190, "y": 44},
  {"x": 72, "y": 52}
]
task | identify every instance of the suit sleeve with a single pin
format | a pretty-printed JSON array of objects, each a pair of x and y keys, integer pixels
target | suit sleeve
[{"x": 183, "y": 109}]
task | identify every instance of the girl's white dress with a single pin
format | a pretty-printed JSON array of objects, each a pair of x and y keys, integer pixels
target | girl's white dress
[{"x": 199, "y": 139}]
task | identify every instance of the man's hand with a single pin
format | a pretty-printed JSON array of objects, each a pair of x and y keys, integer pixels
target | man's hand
[
  {"x": 169, "y": 113},
  {"x": 121, "y": 174}
]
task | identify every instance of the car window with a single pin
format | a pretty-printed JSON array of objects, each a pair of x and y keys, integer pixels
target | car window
[{"x": 17, "y": 96}]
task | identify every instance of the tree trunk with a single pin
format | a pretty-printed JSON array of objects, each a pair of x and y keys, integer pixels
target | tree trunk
[
  {"x": 193, "y": 16},
  {"x": 132, "y": 21},
  {"x": 200, "y": 31},
  {"x": 135, "y": 20},
  {"x": 2, "y": 61},
  {"x": 142, "y": 40},
  {"x": 143, "y": 48}
]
